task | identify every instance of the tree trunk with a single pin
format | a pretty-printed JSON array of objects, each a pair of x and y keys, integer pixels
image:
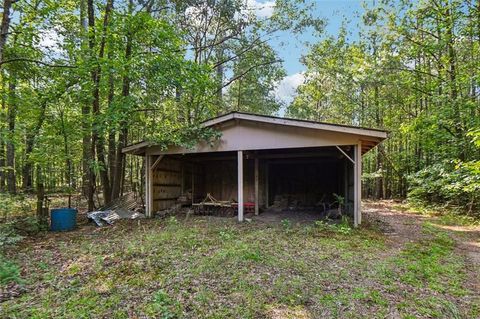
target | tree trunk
[
  {"x": 88, "y": 176},
  {"x": 42, "y": 213},
  {"x": 11, "y": 116},
  {"x": 112, "y": 135},
  {"x": 66, "y": 152},
  {"x": 29, "y": 145},
  {"x": 2, "y": 148},
  {"x": 122, "y": 139},
  {"x": 7, "y": 5},
  {"x": 97, "y": 131}
]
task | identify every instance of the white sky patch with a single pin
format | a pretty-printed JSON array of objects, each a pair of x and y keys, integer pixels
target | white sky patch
[
  {"x": 287, "y": 88},
  {"x": 261, "y": 9},
  {"x": 51, "y": 41}
]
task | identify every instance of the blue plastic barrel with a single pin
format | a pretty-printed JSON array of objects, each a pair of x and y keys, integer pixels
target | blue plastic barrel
[{"x": 63, "y": 219}]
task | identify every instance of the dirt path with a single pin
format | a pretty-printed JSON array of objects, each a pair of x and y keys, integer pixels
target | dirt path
[{"x": 403, "y": 227}]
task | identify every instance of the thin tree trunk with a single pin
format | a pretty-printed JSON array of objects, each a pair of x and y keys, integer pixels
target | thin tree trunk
[
  {"x": 118, "y": 176},
  {"x": 66, "y": 152},
  {"x": 29, "y": 145},
  {"x": 11, "y": 117},
  {"x": 88, "y": 177},
  {"x": 2, "y": 148},
  {"x": 42, "y": 214},
  {"x": 5, "y": 26},
  {"x": 112, "y": 134}
]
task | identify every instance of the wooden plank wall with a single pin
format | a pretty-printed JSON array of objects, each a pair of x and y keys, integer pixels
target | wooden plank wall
[
  {"x": 220, "y": 180},
  {"x": 307, "y": 182},
  {"x": 167, "y": 183}
]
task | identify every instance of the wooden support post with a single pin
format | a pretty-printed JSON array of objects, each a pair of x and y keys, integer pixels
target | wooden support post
[
  {"x": 193, "y": 184},
  {"x": 266, "y": 184},
  {"x": 256, "y": 187},
  {"x": 357, "y": 173},
  {"x": 148, "y": 186},
  {"x": 345, "y": 184},
  {"x": 240, "y": 184},
  {"x": 182, "y": 183}
]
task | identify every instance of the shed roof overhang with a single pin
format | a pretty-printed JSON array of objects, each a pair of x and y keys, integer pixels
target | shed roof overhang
[{"x": 302, "y": 130}]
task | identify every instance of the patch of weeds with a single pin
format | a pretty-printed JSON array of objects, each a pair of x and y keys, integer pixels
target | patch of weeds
[
  {"x": 291, "y": 291},
  {"x": 237, "y": 252},
  {"x": 8, "y": 235},
  {"x": 376, "y": 297},
  {"x": 226, "y": 234},
  {"x": 9, "y": 271},
  {"x": 253, "y": 255},
  {"x": 172, "y": 221},
  {"x": 163, "y": 306},
  {"x": 287, "y": 225},
  {"x": 343, "y": 228}
]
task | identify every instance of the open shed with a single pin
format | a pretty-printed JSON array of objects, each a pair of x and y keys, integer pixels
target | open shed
[{"x": 260, "y": 160}]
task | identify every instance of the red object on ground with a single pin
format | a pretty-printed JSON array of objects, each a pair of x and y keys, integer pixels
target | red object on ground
[{"x": 249, "y": 207}]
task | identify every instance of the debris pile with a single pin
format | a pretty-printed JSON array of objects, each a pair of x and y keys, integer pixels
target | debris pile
[
  {"x": 125, "y": 207},
  {"x": 286, "y": 201},
  {"x": 101, "y": 218}
]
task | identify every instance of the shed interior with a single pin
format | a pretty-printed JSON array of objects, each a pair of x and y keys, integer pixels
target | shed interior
[{"x": 293, "y": 180}]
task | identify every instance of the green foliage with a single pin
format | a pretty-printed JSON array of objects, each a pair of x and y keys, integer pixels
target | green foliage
[
  {"x": 286, "y": 224},
  {"x": 411, "y": 72},
  {"x": 9, "y": 271},
  {"x": 451, "y": 183},
  {"x": 8, "y": 235},
  {"x": 162, "y": 306},
  {"x": 344, "y": 227},
  {"x": 14, "y": 205}
]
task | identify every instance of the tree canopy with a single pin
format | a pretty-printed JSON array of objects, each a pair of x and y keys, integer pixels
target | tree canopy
[{"x": 79, "y": 80}]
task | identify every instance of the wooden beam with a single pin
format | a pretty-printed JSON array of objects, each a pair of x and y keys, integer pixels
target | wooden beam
[
  {"x": 157, "y": 161},
  {"x": 266, "y": 184},
  {"x": 182, "y": 189},
  {"x": 256, "y": 187},
  {"x": 148, "y": 186},
  {"x": 345, "y": 181},
  {"x": 343, "y": 152},
  {"x": 240, "y": 184},
  {"x": 298, "y": 155},
  {"x": 357, "y": 173},
  {"x": 193, "y": 184},
  {"x": 359, "y": 167}
]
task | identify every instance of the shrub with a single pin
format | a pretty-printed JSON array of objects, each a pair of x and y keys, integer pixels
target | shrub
[
  {"x": 8, "y": 235},
  {"x": 9, "y": 271},
  {"x": 14, "y": 206},
  {"x": 448, "y": 183}
]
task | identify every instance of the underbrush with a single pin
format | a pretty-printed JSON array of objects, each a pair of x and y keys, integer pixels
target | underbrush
[
  {"x": 9, "y": 271},
  {"x": 452, "y": 184}
]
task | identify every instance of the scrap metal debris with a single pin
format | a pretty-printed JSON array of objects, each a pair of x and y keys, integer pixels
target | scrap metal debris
[
  {"x": 111, "y": 216},
  {"x": 121, "y": 208}
]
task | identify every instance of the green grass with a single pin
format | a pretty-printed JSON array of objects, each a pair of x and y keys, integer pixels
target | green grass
[
  {"x": 216, "y": 268},
  {"x": 445, "y": 215}
]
